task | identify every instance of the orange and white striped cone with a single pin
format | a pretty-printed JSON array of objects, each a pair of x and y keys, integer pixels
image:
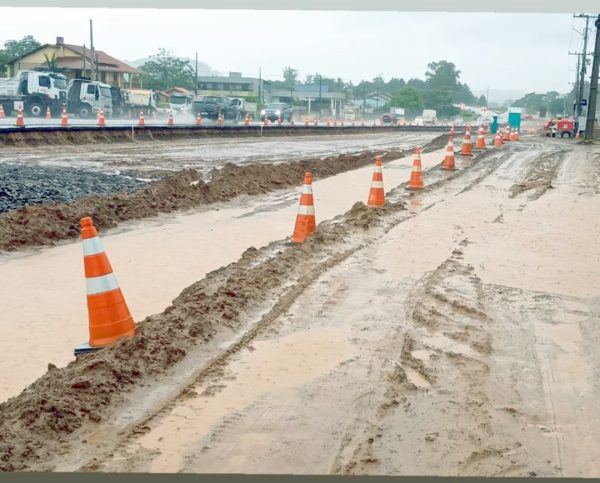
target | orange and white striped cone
[
  {"x": 448, "y": 163},
  {"x": 452, "y": 130},
  {"x": 376, "y": 193},
  {"x": 416, "y": 176},
  {"x": 506, "y": 136},
  {"x": 170, "y": 121},
  {"x": 577, "y": 136},
  {"x": 220, "y": 120},
  {"x": 108, "y": 314},
  {"x": 2, "y": 113},
  {"x": 305, "y": 219},
  {"x": 48, "y": 113},
  {"x": 266, "y": 121},
  {"x": 498, "y": 140},
  {"x": 467, "y": 145},
  {"x": 480, "y": 144},
  {"x": 199, "y": 120},
  {"x": 279, "y": 120},
  {"x": 512, "y": 135},
  {"x": 306, "y": 123},
  {"x": 20, "y": 120},
  {"x": 246, "y": 120},
  {"x": 64, "y": 120},
  {"x": 518, "y": 136},
  {"x": 142, "y": 120},
  {"x": 101, "y": 118}
]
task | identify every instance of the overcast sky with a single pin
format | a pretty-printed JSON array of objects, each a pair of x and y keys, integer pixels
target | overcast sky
[{"x": 525, "y": 52}]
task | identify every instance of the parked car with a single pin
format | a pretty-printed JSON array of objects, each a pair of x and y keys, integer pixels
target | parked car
[
  {"x": 276, "y": 109},
  {"x": 210, "y": 107}
]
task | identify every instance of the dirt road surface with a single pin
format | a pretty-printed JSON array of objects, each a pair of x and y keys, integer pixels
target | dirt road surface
[{"x": 453, "y": 333}]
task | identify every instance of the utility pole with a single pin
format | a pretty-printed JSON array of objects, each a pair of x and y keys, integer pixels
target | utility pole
[
  {"x": 320, "y": 94},
  {"x": 582, "y": 63},
  {"x": 196, "y": 78},
  {"x": 92, "y": 57},
  {"x": 258, "y": 106},
  {"x": 589, "y": 127}
]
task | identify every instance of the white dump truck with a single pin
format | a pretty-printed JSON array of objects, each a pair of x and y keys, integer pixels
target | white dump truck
[{"x": 35, "y": 92}]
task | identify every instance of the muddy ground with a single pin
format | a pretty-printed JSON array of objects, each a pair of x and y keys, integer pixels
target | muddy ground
[
  {"x": 453, "y": 332},
  {"x": 48, "y": 223}
]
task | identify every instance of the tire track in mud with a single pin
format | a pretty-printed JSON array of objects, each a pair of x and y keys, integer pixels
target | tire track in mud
[
  {"x": 538, "y": 178},
  {"x": 55, "y": 412}
]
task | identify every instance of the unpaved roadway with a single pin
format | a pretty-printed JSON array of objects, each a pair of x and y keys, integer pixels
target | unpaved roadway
[{"x": 453, "y": 333}]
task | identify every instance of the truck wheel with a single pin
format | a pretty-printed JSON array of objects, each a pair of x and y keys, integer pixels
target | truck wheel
[
  {"x": 85, "y": 112},
  {"x": 564, "y": 133},
  {"x": 36, "y": 109}
]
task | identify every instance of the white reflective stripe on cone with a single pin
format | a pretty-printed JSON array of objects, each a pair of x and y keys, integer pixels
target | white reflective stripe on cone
[
  {"x": 378, "y": 169},
  {"x": 104, "y": 283},
  {"x": 416, "y": 169},
  {"x": 92, "y": 246},
  {"x": 307, "y": 189},
  {"x": 377, "y": 184},
  {"x": 306, "y": 210}
]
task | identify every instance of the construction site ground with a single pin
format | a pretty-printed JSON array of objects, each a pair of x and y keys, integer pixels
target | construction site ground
[{"x": 452, "y": 332}]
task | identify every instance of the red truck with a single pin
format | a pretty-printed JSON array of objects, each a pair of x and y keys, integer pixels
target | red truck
[{"x": 561, "y": 127}]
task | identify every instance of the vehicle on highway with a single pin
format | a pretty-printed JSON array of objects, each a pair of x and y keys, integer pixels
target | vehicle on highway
[
  {"x": 349, "y": 114},
  {"x": 275, "y": 109},
  {"x": 136, "y": 101},
  {"x": 429, "y": 117},
  {"x": 85, "y": 98},
  {"x": 419, "y": 121},
  {"x": 211, "y": 106},
  {"x": 35, "y": 92},
  {"x": 180, "y": 103},
  {"x": 246, "y": 108}
]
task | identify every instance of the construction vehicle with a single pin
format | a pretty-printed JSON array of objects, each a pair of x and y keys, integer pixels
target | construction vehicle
[
  {"x": 87, "y": 97},
  {"x": 429, "y": 117},
  {"x": 561, "y": 127},
  {"x": 34, "y": 92},
  {"x": 139, "y": 100}
]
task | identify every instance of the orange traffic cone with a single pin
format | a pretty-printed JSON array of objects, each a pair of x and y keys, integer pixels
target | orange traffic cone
[
  {"x": 199, "y": 120},
  {"x": 220, "y": 120},
  {"x": 279, "y": 120},
  {"x": 2, "y": 114},
  {"x": 64, "y": 120},
  {"x": 101, "y": 119},
  {"x": 305, "y": 219},
  {"x": 512, "y": 135},
  {"x": 108, "y": 314},
  {"x": 518, "y": 136},
  {"x": 480, "y": 138},
  {"x": 246, "y": 120},
  {"x": 376, "y": 194},
  {"x": 48, "y": 113},
  {"x": 467, "y": 146},
  {"x": 448, "y": 163},
  {"x": 506, "y": 136},
  {"x": 577, "y": 136},
  {"x": 306, "y": 123},
  {"x": 266, "y": 121},
  {"x": 498, "y": 140},
  {"x": 142, "y": 120},
  {"x": 452, "y": 130},
  {"x": 20, "y": 121},
  {"x": 170, "y": 121},
  {"x": 416, "y": 177}
]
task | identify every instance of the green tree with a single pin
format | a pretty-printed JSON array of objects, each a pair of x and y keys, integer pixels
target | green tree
[
  {"x": 164, "y": 71},
  {"x": 410, "y": 99},
  {"x": 290, "y": 77},
  {"x": 16, "y": 48}
]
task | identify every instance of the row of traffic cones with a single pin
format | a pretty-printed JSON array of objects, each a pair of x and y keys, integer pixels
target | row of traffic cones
[{"x": 108, "y": 314}]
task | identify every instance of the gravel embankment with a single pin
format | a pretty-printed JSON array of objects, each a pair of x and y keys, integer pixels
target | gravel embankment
[{"x": 22, "y": 185}]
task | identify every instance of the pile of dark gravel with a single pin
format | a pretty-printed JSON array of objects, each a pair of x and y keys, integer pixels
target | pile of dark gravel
[{"x": 22, "y": 185}]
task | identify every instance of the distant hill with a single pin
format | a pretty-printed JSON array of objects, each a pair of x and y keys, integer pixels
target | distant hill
[
  {"x": 203, "y": 68},
  {"x": 498, "y": 96}
]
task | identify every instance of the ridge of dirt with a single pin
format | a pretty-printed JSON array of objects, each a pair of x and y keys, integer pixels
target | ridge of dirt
[
  {"x": 38, "y": 424},
  {"x": 39, "y": 225},
  {"x": 540, "y": 175}
]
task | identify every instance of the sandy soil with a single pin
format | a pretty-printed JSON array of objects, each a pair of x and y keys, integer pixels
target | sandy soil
[{"x": 452, "y": 333}]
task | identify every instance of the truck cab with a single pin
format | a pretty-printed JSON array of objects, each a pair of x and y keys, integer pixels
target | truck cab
[
  {"x": 87, "y": 97},
  {"x": 180, "y": 103},
  {"x": 37, "y": 90}
]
